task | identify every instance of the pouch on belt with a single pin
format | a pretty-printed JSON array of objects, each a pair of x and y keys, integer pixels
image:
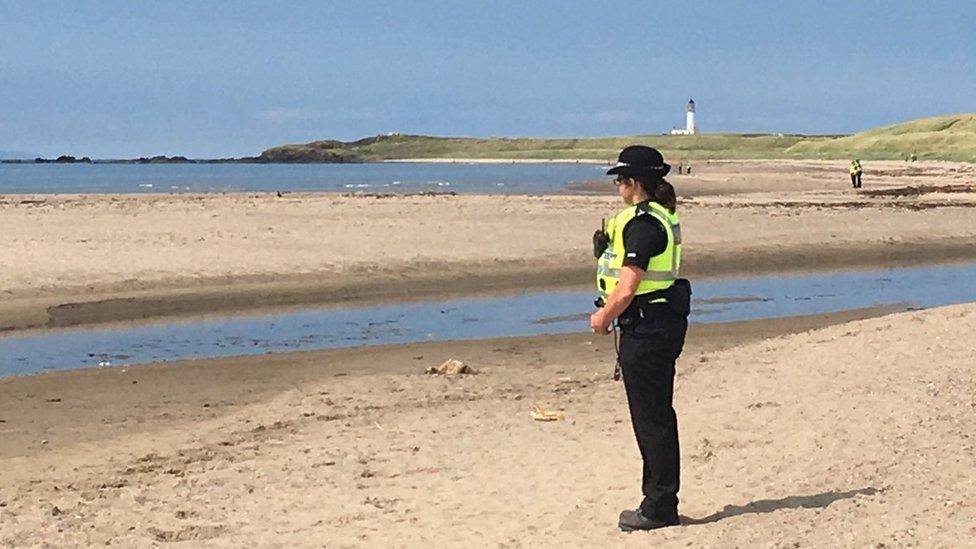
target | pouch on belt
[{"x": 678, "y": 297}]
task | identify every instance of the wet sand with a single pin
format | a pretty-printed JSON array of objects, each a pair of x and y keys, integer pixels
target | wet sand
[
  {"x": 89, "y": 401},
  {"x": 94, "y": 259},
  {"x": 830, "y": 436}
]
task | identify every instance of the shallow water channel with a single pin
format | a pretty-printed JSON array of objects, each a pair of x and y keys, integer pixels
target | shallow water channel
[{"x": 512, "y": 315}]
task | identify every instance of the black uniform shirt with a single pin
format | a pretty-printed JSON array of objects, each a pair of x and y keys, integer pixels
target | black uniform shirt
[{"x": 644, "y": 238}]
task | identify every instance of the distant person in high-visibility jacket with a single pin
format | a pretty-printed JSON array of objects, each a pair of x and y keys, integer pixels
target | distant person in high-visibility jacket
[{"x": 856, "y": 172}]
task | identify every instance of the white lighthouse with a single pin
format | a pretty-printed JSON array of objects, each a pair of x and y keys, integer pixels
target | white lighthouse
[{"x": 690, "y": 127}]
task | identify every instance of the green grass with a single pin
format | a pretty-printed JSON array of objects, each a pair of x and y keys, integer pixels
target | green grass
[
  {"x": 700, "y": 146},
  {"x": 945, "y": 137},
  {"x": 951, "y": 137}
]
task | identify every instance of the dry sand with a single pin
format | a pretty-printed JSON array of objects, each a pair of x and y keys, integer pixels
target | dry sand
[
  {"x": 854, "y": 435},
  {"x": 85, "y": 259},
  {"x": 824, "y": 431}
]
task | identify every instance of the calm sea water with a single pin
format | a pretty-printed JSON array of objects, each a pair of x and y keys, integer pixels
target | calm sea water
[{"x": 384, "y": 178}]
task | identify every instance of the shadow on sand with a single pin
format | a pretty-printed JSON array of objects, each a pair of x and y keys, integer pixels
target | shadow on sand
[{"x": 770, "y": 505}]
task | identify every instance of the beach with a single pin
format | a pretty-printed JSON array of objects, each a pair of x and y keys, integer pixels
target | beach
[
  {"x": 848, "y": 429},
  {"x": 84, "y": 259},
  {"x": 828, "y": 437}
]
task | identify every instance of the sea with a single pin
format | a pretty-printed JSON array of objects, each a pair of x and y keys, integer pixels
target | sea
[{"x": 387, "y": 177}]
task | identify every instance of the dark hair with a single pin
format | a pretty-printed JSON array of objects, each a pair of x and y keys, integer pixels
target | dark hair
[{"x": 659, "y": 191}]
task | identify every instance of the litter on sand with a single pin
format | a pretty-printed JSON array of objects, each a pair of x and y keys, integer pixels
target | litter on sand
[{"x": 539, "y": 413}]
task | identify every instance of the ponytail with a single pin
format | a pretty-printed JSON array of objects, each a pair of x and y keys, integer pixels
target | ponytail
[{"x": 659, "y": 191}]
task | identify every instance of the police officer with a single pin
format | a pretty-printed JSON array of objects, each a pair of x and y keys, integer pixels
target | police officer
[
  {"x": 639, "y": 253},
  {"x": 855, "y": 171}
]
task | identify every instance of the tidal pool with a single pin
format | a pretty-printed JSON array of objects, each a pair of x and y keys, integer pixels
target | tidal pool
[{"x": 505, "y": 316}]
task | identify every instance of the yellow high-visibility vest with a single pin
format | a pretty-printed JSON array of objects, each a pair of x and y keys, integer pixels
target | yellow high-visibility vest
[{"x": 661, "y": 270}]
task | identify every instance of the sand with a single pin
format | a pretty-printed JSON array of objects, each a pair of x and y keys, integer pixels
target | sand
[
  {"x": 90, "y": 259},
  {"x": 853, "y": 435},
  {"x": 852, "y": 429}
]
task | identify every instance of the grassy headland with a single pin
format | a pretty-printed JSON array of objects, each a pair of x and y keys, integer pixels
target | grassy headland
[
  {"x": 950, "y": 137},
  {"x": 391, "y": 147}
]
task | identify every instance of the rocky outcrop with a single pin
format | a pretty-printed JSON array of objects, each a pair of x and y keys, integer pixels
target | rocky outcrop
[
  {"x": 64, "y": 159},
  {"x": 161, "y": 160},
  {"x": 315, "y": 152}
]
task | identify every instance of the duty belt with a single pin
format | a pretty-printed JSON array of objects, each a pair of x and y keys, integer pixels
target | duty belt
[{"x": 635, "y": 312}]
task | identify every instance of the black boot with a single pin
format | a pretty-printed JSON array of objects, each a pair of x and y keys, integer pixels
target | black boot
[{"x": 631, "y": 520}]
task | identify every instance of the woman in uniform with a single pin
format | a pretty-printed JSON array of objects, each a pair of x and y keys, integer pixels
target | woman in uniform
[{"x": 637, "y": 278}]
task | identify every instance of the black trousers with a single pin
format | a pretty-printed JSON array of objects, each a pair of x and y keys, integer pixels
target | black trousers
[
  {"x": 648, "y": 351},
  {"x": 856, "y": 180}
]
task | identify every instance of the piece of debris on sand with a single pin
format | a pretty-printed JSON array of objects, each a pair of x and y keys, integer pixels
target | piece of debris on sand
[
  {"x": 539, "y": 413},
  {"x": 450, "y": 368}
]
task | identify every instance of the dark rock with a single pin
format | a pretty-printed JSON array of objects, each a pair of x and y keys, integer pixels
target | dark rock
[
  {"x": 159, "y": 159},
  {"x": 64, "y": 159}
]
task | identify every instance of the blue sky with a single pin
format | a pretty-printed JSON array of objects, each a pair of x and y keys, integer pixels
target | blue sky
[{"x": 215, "y": 78}]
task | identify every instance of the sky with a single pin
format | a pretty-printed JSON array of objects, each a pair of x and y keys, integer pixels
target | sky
[{"x": 215, "y": 78}]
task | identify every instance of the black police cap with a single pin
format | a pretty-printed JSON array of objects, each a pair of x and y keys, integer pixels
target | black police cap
[{"x": 640, "y": 160}]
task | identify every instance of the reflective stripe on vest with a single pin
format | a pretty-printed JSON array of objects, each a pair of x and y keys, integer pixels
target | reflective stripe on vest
[{"x": 662, "y": 270}]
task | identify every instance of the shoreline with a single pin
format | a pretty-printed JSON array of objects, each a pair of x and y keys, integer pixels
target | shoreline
[
  {"x": 441, "y": 160},
  {"x": 797, "y": 430},
  {"x": 250, "y": 296},
  {"x": 229, "y": 452},
  {"x": 237, "y": 381},
  {"x": 96, "y": 259}
]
